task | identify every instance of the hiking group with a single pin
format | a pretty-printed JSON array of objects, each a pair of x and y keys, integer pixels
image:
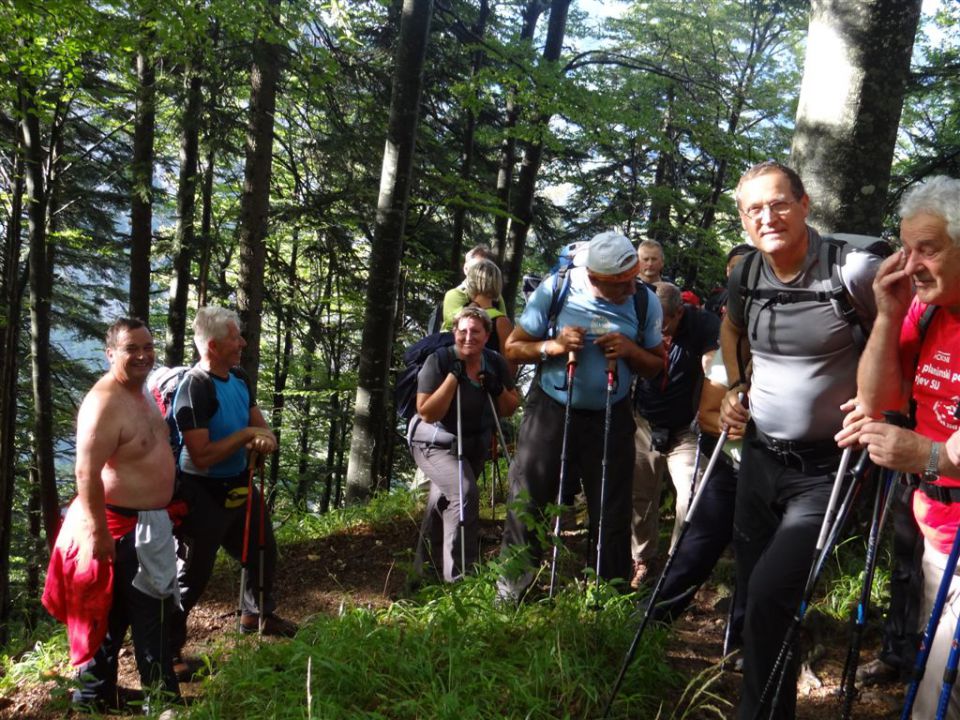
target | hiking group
[
  {"x": 815, "y": 342},
  {"x": 820, "y": 347}
]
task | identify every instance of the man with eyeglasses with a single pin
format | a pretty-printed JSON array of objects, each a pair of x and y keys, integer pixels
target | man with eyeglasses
[{"x": 804, "y": 362}]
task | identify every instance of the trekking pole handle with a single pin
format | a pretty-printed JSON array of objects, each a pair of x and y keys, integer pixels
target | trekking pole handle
[
  {"x": 571, "y": 361},
  {"x": 892, "y": 417}
]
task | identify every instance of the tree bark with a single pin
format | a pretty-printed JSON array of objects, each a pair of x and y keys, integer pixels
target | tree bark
[
  {"x": 141, "y": 166},
  {"x": 370, "y": 408},
  {"x": 255, "y": 202},
  {"x": 855, "y": 73},
  {"x": 8, "y": 382},
  {"x": 529, "y": 169},
  {"x": 466, "y": 160},
  {"x": 508, "y": 146},
  {"x": 186, "y": 205}
]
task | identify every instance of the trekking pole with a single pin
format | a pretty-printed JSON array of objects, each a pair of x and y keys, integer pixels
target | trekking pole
[
  {"x": 848, "y": 689},
  {"x": 252, "y": 463},
  {"x": 949, "y": 675},
  {"x": 607, "y": 418},
  {"x": 571, "y": 370},
  {"x": 261, "y": 551},
  {"x": 651, "y": 601},
  {"x": 883, "y": 499},
  {"x": 829, "y": 532},
  {"x": 923, "y": 654},
  {"x": 496, "y": 421},
  {"x": 463, "y": 528}
]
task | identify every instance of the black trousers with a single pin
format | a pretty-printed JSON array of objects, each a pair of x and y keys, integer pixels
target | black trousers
[
  {"x": 149, "y": 620},
  {"x": 209, "y": 526},
  {"x": 709, "y": 533},
  {"x": 779, "y": 511},
  {"x": 535, "y": 476},
  {"x": 901, "y": 630}
]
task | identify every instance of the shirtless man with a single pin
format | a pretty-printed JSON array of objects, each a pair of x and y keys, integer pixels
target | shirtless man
[{"x": 125, "y": 475}]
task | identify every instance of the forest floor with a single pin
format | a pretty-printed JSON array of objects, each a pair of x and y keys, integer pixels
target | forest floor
[{"x": 361, "y": 567}]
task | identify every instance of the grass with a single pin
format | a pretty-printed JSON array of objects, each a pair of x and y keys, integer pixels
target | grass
[{"x": 451, "y": 653}]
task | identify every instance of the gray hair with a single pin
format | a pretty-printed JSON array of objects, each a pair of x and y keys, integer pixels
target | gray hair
[
  {"x": 650, "y": 244},
  {"x": 484, "y": 278},
  {"x": 472, "y": 311},
  {"x": 670, "y": 297},
  {"x": 211, "y": 323},
  {"x": 938, "y": 195}
]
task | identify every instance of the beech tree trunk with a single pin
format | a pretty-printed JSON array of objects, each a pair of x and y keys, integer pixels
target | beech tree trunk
[
  {"x": 530, "y": 168},
  {"x": 255, "y": 202},
  {"x": 141, "y": 166},
  {"x": 370, "y": 421},
  {"x": 854, "y": 77}
]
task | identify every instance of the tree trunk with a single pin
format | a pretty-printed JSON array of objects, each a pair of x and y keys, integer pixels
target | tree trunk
[
  {"x": 508, "y": 146},
  {"x": 8, "y": 383},
  {"x": 186, "y": 204},
  {"x": 855, "y": 73},
  {"x": 370, "y": 410},
  {"x": 206, "y": 227},
  {"x": 255, "y": 202},
  {"x": 529, "y": 169},
  {"x": 44, "y": 439},
  {"x": 141, "y": 167},
  {"x": 466, "y": 160}
]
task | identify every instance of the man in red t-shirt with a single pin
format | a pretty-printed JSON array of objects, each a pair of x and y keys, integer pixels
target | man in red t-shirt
[{"x": 900, "y": 364}]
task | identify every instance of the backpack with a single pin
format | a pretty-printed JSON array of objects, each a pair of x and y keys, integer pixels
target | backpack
[
  {"x": 163, "y": 384},
  {"x": 564, "y": 262},
  {"x": 405, "y": 388},
  {"x": 746, "y": 276}
]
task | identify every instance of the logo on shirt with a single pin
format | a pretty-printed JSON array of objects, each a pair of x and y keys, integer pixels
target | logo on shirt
[
  {"x": 942, "y": 356},
  {"x": 599, "y": 325},
  {"x": 945, "y": 410}
]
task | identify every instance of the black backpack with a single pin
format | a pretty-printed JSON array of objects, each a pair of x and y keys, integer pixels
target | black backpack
[
  {"x": 405, "y": 389},
  {"x": 746, "y": 276}
]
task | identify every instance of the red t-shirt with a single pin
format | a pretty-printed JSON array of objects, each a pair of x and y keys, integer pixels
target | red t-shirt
[{"x": 936, "y": 389}]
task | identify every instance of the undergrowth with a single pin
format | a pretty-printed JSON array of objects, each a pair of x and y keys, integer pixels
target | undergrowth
[{"x": 453, "y": 653}]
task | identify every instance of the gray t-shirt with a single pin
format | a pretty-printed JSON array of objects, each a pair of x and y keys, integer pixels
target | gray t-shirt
[{"x": 805, "y": 355}]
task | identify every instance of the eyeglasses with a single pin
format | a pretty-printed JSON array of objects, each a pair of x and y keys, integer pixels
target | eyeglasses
[{"x": 780, "y": 208}]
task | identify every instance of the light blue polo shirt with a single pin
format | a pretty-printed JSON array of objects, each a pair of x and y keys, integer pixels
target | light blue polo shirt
[{"x": 598, "y": 317}]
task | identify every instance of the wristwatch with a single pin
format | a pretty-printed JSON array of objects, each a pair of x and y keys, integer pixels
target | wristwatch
[
  {"x": 931, "y": 472},
  {"x": 543, "y": 351}
]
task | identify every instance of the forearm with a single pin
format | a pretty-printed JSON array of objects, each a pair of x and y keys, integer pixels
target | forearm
[
  {"x": 528, "y": 351},
  {"x": 433, "y": 406},
  {"x": 880, "y": 381},
  {"x": 646, "y": 363},
  {"x": 218, "y": 450}
]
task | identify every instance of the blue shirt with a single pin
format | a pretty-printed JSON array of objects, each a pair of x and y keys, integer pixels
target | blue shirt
[
  {"x": 221, "y": 415},
  {"x": 598, "y": 317}
]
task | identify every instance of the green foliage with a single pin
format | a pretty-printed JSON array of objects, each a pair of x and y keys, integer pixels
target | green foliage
[
  {"x": 46, "y": 657},
  {"x": 450, "y": 654}
]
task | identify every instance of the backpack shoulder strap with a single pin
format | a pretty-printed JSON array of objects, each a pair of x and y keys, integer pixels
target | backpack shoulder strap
[
  {"x": 561, "y": 288},
  {"x": 641, "y": 302}
]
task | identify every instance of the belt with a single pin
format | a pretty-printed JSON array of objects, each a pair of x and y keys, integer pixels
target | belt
[
  {"x": 800, "y": 447},
  {"x": 940, "y": 493},
  {"x": 808, "y": 456}
]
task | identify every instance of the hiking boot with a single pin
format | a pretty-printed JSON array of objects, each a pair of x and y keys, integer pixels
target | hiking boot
[
  {"x": 877, "y": 672},
  {"x": 186, "y": 668},
  {"x": 641, "y": 571},
  {"x": 272, "y": 625}
]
